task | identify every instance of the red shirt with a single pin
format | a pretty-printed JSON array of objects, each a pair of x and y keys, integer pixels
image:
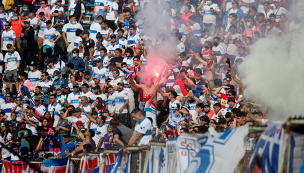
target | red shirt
[
  {"x": 210, "y": 114},
  {"x": 182, "y": 85},
  {"x": 17, "y": 27}
]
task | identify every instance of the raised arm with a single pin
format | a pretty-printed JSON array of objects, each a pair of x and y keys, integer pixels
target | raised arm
[
  {"x": 79, "y": 132},
  {"x": 89, "y": 116}
]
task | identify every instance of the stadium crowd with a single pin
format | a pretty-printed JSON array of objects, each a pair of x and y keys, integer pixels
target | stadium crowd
[{"x": 66, "y": 90}]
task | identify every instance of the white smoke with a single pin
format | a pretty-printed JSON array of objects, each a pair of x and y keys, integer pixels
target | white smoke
[{"x": 274, "y": 75}]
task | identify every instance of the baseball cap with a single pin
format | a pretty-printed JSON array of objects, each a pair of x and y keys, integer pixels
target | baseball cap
[
  {"x": 109, "y": 86},
  {"x": 174, "y": 106},
  {"x": 63, "y": 101},
  {"x": 78, "y": 109},
  {"x": 97, "y": 77},
  {"x": 75, "y": 84},
  {"x": 57, "y": 87},
  {"x": 86, "y": 32},
  {"x": 98, "y": 43},
  {"x": 65, "y": 86},
  {"x": 276, "y": 0},
  {"x": 79, "y": 123},
  {"x": 105, "y": 111},
  {"x": 21, "y": 122},
  {"x": 37, "y": 98},
  {"x": 33, "y": 63}
]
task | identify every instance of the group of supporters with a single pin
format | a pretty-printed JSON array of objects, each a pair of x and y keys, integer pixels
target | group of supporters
[{"x": 66, "y": 90}]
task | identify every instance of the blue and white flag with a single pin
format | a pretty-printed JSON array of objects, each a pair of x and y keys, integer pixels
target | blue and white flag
[
  {"x": 268, "y": 150},
  {"x": 156, "y": 160},
  {"x": 126, "y": 166},
  {"x": 169, "y": 154},
  {"x": 188, "y": 145},
  {"x": 221, "y": 153}
]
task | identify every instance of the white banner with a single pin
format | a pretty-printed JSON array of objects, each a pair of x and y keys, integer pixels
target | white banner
[
  {"x": 221, "y": 153},
  {"x": 156, "y": 160}
]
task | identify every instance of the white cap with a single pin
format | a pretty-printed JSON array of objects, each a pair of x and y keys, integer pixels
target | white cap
[{"x": 185, "y": 64}]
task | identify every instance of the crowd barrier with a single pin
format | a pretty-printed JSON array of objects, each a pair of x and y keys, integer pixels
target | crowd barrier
[{"x": 280, "y": 146}]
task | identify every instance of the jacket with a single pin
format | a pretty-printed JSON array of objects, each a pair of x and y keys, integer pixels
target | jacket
[{"x": 29, "y": 38}]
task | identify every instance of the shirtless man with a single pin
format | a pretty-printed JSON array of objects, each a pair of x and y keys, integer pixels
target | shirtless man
[
  {"x": 86, "y": 138},
  {"x": 208, "y": 66}
]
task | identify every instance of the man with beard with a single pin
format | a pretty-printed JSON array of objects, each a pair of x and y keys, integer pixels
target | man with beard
[
  {"x": 121, "y": 104},
  {"x": 112, "y": 47}
]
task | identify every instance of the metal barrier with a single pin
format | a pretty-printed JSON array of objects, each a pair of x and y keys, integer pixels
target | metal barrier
[
  {"x": 76, "y": 158},
  {"x": 162, "y": 144},
  {"x": 103, "y": 156},
  {"x": 133, "y": 148}
]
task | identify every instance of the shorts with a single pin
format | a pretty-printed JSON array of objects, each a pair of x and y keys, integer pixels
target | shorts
[{"x": 12, "y": 75}]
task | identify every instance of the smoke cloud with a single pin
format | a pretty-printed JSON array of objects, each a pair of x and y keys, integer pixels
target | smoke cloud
[{"x": 274, "y": 75}]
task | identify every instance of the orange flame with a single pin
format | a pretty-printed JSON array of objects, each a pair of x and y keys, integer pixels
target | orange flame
[{"x": 157, "y": 75}]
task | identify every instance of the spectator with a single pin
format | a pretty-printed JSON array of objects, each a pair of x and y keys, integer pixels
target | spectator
[
  {"x": 77, "y": 61},
  {"x": 27, "y": 44},
  {"x": 12, "y": 63},
  {"x": 8, "y": 37},
  {"x": 46, "y": 10}
]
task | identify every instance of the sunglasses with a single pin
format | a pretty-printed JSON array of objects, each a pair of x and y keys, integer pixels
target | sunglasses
[
  {"x": 42, "y": 75},
  {"x": 75, "y": 87},
  {"x": 6, "y": 25},
  {"x": 42, "y": 3}
]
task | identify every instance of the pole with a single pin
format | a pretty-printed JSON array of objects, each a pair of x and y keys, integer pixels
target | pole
[{"x": 21, "y": 158}]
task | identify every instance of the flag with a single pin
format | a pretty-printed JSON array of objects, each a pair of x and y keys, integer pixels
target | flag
[
  {"x": 221, "y": 153},
  {"x": 31, "y": 170},
  {"x": 156, "y": 159},
  {"x": 295, "y": 154},
  {"x": 14, "y": 166},
  {"x": 91, "y": 165},
  {"x": 169, "y": 154},
  {"x": 126, "y": 165},
  {"x": 188, "y": 145},
  {"x": 109, "y": 162},
  {"x": 268, "y": 150},
  {"x": 46, "y": 165}
]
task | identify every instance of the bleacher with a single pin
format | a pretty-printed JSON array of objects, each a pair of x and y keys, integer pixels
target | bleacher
[{"x": 88, "y": 18}]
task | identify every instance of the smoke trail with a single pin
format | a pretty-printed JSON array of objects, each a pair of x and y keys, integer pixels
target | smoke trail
[
  {"x": 273, "y": 73},
  {"x": 160, "y": 46}
]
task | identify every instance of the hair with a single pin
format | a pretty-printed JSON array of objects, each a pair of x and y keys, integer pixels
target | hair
[
  {"x": 8, "y": 46},
  {"x": 233, "y": 26},
  {"x": 120, "y": 30},
  {"x": 217, "y": 38},
  {"x": 129, "y": 50},
  {"x": 233, "y": 93},
  {"x": 103, "y": 49},
  {"x": 236, "y": 111},
  {"x": 201, "y": 105},
  {"x": 76, "y": 50},
  {"x": 136, "y": 111},
  {"x": 39, "y": 87},
  {"x": 23, "y": 74},
  {"x": 85, "y": 85},
  {"x": 205, "y": 118},
  {"x": 70, "y": 65},
  {"x": 87, "y": 147},
  {"x": 193, "y": 18},
  {"x": 55, "y": 144},
  {"x": 179, "y": 36},
  {"x": 173, "y": 93},
  {"x": 71, "y": 16},
  {"x": 217, "y": 105},
  {"x": 92, "y": 133},
  {"x": 78, "y": 32},
  {"x": 100, "y": 18},
  {"x": 99, "y": 105},
  {"x": 56, "y": 72},
  {"x": 150, "y": 119},
  {"x": 268, "y": 21},
  {"x": 231, "y": 87},
  {"x": 218, "y": 82},
  {"x": 133, "y": 27},
  {"x": 9, "y": 23},
  {"x": 185, "y": 130},
  {"x": 14, "y": 146},
  {"x": 114, "y": 122},
  {"x": 119, "y": 50}
]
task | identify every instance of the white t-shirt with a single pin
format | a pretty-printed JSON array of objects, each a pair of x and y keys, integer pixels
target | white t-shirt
[
  {"x": 51, "y": 71},
  {"x": 42, "y": 27},
  {"x": 8, "y": 37},
  {"x": 278, "y": 12},
  {"x": 182, "y": 29},
  {"x": 196, "y": 29},
  {"x": 218, "y": 52},
  {"x": 132, "y": 40},
  {"x": 180, "y": 47},
  {"x": 120, "y": 99},
  {"x": 70, "y": 31},
  {"x": 7, "y": 109},
  {"x": 99, "y": 5},
  {"x": 12, "y": 60},
  {"x": 34, "y": 77},
  {"x": 111, "y": 100},
  {"x": 74, "y": 99},
  {"x": 100, "y": 131},
  {"x": 60, "y": 8},
  {"x": 144, "y": 127},
  {"x": 115, "y": 82},
  {"x": 4, "y": 152},
  {"x": 57, "y": 107},
  {"x": 72, "y": 8},
  {"x": 122, "y": 43},
  {"x": 209, "y": 17},
  {"x": 87, "y": 109},
  {"x": 111, "y": 8},
  {"x": 75, "y": 119},
  {"x": 95, "y": 27},
  {"x": 111, "y": 48},
  {"x": 102, "y": 73},
  {"x": 33, "y": 22},
  {"x": 128, "y": 61},
  {"x": 50, "y": 34},
  {"x": 192, "y": 10},
  {"x": 46, "y": 84}
]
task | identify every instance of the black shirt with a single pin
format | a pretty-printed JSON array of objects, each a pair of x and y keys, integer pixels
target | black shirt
[
  {"x": 87, "y": 46},
  {"x": 117, "y": 59}
]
